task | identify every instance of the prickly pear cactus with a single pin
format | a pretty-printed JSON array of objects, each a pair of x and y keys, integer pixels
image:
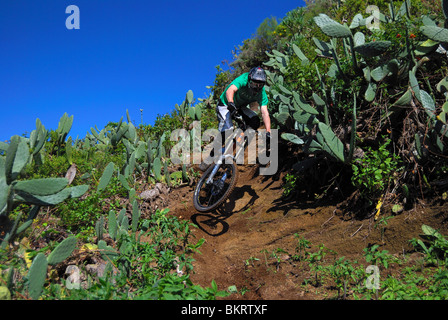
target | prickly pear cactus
[
  {"x": 332, "y": 28},
  {"x": 37, "y": 275},
  {"x": 62, "y": 251},
  {"x": 106, "y": 176},
  {"x": 41, "y": 187}
]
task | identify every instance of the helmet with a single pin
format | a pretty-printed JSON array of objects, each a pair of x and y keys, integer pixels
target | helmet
[
  {"x": 257, "y": 74},
  {"x": 257, "y": 79}
]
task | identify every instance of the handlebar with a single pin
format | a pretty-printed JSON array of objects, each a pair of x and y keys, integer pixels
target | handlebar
[{"x": 236, "y": 115}]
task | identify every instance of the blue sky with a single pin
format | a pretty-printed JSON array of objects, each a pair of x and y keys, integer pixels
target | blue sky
[{"x": 127, "y": 54}]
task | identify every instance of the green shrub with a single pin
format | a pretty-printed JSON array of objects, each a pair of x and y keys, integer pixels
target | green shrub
[{"x": 373, "y": 173}]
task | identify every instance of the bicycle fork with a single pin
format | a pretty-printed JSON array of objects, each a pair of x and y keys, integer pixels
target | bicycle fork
[
  {"x": 240, "y": 140},
  {"x": 216, "y": 168}
]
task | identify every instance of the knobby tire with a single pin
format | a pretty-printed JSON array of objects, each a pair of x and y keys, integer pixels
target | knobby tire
[{"x": 224, "y": 195}]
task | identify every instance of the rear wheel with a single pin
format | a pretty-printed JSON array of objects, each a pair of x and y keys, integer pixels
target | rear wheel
[{"x": 208, "y": 197}]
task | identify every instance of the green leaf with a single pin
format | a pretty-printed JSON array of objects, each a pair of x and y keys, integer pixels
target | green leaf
[
  {"x": 442, "y": 86},
  {"x": 292, "y": 138},
  {"x": 373, "y": 49},
  {"x": 62, "y": 251},
  {"x": 445, "y": 8},
  {"x": 284, "y": 99},
  {"x": 300, "y": 54},
  {"x": 131, "y": 134},
  {"x": 41, "y": 187},
  {"x": 415, "y": 87},
  {"x": 324, "y": 47},
  {"x": 37, "y": 276},
  {"x": 43, "y": 200},
  {"x": 189, "y": 96},
  {"x": 112, "y": 225},
  {"x": 332, "y": 28},
  {"x": 405, "y": 99},
  {"x": 282, "y": 117},
  {"x": 427, "y": 101},
  {"x": 357, "y": 21},
  {"x": 359, "y": 39},
  {"x": 426, "y": 47},
  {"x": 305, "y": 118},
  {"x": 157, "y": 167},
  {"x": 135, "y": 215},
  {"x": 285, "y": 90},
  {"x": 318, "y": 100},
  {"x": 429, "y": 231},
  {"x": 107, "y": 252},
  {"x": 333, "y": 142},
  {"x": 370, "y": 92},
  {"x": 3, "y": 146},
  {"x": 107, "y": 175},
  {"x": 65, "y": 124},
  {"x": 435, "y": 33},
  {"x": 379, "y": 73},
  {"x": 16, "y": 158},
  {"x": 4, "y": 192},
  {"x": 78, "y": 191},
  {"x": 303, "y": 105}
]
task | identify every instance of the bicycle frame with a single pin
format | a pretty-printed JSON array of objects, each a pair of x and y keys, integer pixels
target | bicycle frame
[{"x": 240, "y": 147}]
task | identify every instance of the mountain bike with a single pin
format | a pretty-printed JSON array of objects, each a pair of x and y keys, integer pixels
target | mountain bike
[{"x": 219, "y": 179}]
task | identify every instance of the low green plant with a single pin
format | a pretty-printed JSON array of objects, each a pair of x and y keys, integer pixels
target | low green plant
[
  {"x": 276, "y": 255},
  {"x": 151, "y": 258},
  {"x": 374, "y": 172},
  {"x": 250, "y": 261},
  {"x": 81, "y": 216},
  {"x": 382, "y": 224},
  {"x": 290, "y": 184},
  {"x": 315, "y": 261},
  {"x": 416, "y": 286},
  {"x": 15, "y": 190},
  {"x": 301, "y": 248},
  {"x": 435, "y": 247},
  {"x": 376, "y": 257},
  {"x": 342, "y": 271}
]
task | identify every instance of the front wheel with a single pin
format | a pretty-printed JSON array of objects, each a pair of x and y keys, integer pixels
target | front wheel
[{"x": 208, "y": 197}]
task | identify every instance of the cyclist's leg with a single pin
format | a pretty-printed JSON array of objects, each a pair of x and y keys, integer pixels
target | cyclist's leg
[
  {"x": 224, "y": 118},
  {"x": 225, "y": 124}
]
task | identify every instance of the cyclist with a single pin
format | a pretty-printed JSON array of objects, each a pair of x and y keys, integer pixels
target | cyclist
[{"x": 239, "y": 94}]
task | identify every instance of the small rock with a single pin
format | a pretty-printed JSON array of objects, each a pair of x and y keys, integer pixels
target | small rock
[
  {"x": 151, "y": 195},
  {"x": 74, "y": 278},
  {"x": 99, "y": 269}
]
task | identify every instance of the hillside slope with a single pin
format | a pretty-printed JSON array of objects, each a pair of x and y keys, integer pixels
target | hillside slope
[{"x": 250, "y": 242}]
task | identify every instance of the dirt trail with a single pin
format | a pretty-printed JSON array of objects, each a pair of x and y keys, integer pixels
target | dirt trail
[{"x": 255, "y": 222}]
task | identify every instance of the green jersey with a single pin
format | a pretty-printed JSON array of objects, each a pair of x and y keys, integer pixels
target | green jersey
[{"x": 244, "y": 96}]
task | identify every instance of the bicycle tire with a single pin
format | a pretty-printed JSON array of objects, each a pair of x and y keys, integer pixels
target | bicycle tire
[{"x": 229, "y": 186}]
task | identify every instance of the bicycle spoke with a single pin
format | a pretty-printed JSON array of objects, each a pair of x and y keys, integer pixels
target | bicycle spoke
[{"x": 209, "y": 196}]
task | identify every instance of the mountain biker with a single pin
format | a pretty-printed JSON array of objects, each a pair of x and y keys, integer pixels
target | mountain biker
[{"x": 246, "y": 89}]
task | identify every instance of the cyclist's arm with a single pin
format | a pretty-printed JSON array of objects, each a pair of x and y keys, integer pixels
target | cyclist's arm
[
  {"x": 266, "y": 118},
  {"x": 230, "y": 93}
]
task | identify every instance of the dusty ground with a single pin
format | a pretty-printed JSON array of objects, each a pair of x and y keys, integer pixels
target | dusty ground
[{"x": 255, "y": 222}]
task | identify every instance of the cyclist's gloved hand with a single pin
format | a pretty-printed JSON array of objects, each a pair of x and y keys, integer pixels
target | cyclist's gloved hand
[{"x": 231, "y": 107}]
